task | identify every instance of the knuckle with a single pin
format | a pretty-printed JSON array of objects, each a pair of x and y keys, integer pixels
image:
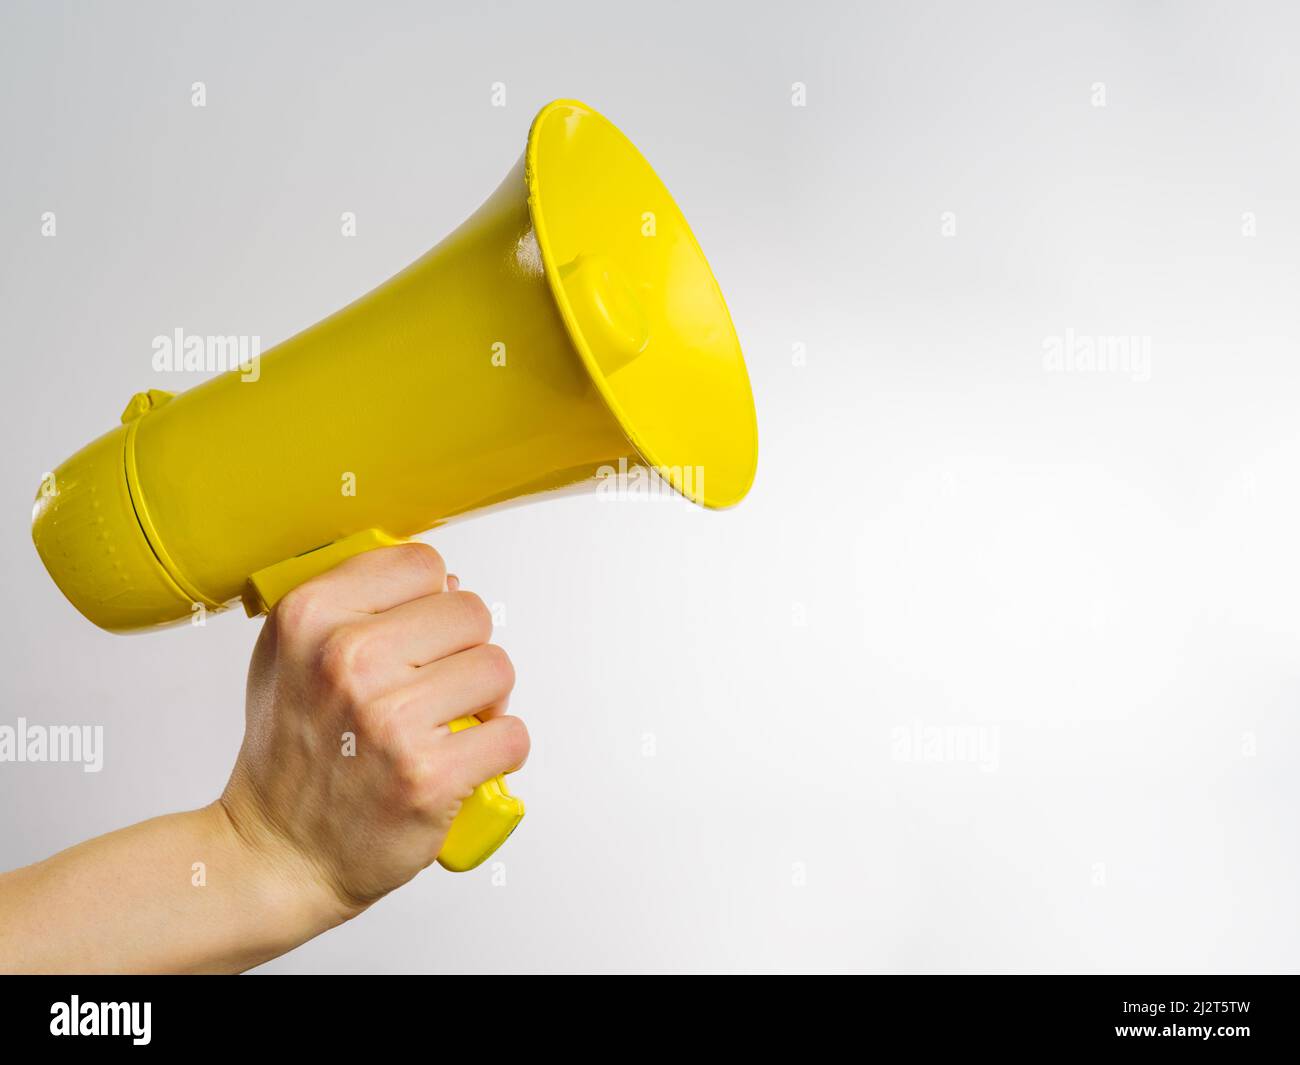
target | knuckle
[
  {"x": 300, "y": 610},
  {"x": 515, "y": 742},
  {"x": 420, "y": 555},
  {"x": 498, "y": 667},
  {"x": 378, "y": 720},
  {"x": 475, "y": 616},
  {"x": 411, "y": 776},
  {"x": 346, "y": 659}
]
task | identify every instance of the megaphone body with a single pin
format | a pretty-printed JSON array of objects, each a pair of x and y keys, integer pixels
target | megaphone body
[{"x": 570, "y": 326}]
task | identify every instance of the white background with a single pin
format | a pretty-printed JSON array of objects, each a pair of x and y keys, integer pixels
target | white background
[{"x": 1095, "y": 572}]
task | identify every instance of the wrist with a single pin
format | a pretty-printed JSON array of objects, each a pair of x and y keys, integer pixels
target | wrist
[{"x": 295, "y": 899}]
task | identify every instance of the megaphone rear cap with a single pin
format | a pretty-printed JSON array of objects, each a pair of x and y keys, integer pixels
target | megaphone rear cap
[
  {"x": 86, "y": 529},
  {"x": 641, "y": 304}
]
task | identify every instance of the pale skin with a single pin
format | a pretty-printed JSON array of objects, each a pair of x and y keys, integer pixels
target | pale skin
[{"x": 385, "y": 647}]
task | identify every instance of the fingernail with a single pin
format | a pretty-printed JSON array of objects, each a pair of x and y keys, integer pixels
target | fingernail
[{"x": 453, "y": 582}]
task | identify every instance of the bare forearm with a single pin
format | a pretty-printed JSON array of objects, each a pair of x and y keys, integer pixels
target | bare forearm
[
  {"x": 181, "y": 893},
  {"x": 385, "y": 649}
]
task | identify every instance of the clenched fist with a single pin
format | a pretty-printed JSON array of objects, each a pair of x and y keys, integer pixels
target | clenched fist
[{"x": 348, "y": 775}]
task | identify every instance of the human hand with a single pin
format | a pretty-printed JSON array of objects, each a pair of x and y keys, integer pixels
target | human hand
[{"x": 349, "y": 779}]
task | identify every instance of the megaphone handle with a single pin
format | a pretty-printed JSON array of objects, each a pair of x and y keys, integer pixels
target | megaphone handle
[{"x": 487, "y": 817}]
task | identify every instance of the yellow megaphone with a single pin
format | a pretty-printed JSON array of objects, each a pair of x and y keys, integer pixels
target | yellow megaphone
[{"x": 569, "y": 327}]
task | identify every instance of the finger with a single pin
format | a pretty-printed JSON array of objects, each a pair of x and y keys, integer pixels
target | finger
[
  {"x": 477, "y": 681},
  {"x": 381, "y": 579},
  {"x": 453, "y": 582},
  {"x": 485, "y": 751},
  {"x": 432, "y": 627}
]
